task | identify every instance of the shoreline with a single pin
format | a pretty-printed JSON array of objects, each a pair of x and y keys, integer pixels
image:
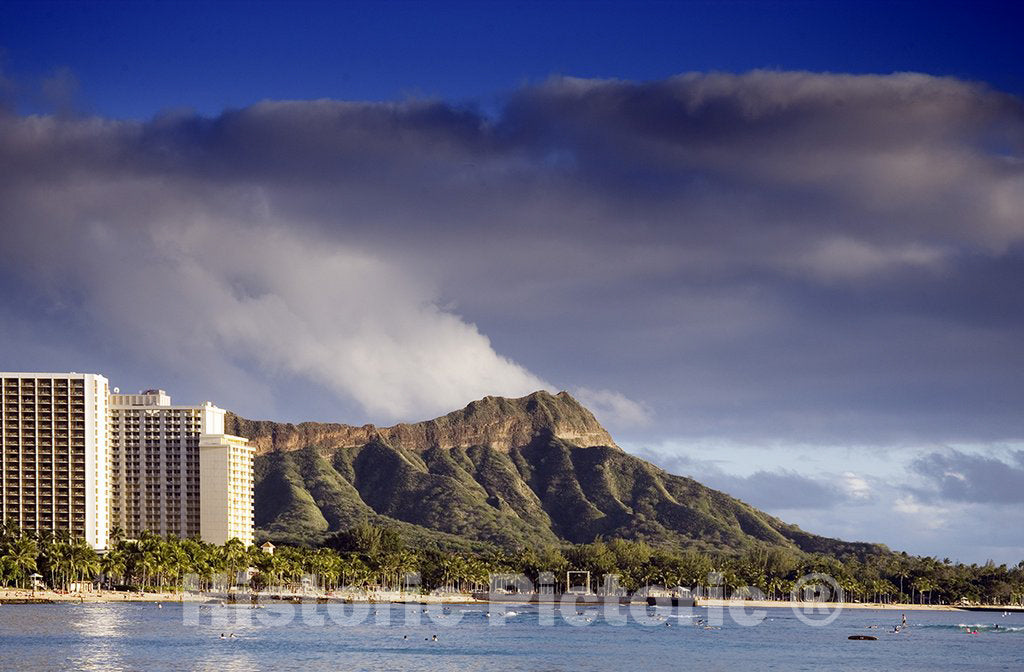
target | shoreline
[
  {"x": 879, "y": 606},
  {"x": 16, "y": 597},
  {"x": 12, "y": 597}
]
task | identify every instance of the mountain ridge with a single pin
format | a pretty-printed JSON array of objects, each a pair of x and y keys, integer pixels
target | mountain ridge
[
  {"x": 493, "y": 421},
  {"x": 534, "y": 471}
]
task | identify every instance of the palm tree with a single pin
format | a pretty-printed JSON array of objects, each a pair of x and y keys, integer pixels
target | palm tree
[
  {"x": 354, "y": 571},
  {"x": 49, "y": 558},
  {"x": 477, "y": 572},
  {"x": 324, "y": 564},
  {"x": 922, "y": 585},
  {"x": 774, "y": 585},
  {"x": 116, "y": 535},
  {"x": 113, "y": 564},
  {"x": 60, "y": 559},
  {"x": 6, "y": 569},
  {"x": 272, "y": 567},
  {"x": 85, "y": 562},
  {"x": 138, "y": 560},
  {"x": 22, "y": 557},
  {"x": 236, "y": 558},
  {"x": 903, "y": 573},
  {"x": 203, "y": 560}
]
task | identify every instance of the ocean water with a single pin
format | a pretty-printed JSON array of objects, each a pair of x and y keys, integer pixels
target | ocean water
[{"x": 400, "y": 637}]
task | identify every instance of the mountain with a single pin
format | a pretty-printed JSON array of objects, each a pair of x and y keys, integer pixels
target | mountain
[{"x": 537, "y": 470}]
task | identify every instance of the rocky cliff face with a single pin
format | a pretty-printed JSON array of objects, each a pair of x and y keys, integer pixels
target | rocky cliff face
[
  {"x": 513, "y": 472},
  {"x": 492, "y": 422}
]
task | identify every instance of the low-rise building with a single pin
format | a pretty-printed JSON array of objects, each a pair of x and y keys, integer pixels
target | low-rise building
[{"x": 226, "y": 488}]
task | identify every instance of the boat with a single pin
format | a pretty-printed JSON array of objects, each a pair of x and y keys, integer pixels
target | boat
[{"x": 866, "y": 638}]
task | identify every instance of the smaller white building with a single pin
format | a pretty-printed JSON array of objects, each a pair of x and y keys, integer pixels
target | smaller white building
[
  {"x": 225, "y": 489},
  {"x": 175, "y": 472}
]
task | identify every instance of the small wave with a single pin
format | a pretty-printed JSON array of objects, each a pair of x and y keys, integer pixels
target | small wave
[{"x": 979, "y": 627}]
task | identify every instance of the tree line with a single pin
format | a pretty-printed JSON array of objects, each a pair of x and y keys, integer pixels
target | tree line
[{"x": 369, "y": 557}]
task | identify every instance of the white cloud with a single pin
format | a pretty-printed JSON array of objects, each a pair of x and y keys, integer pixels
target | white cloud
[
  {"x": 925, "y": 516},
  {"x": 213, "y": 293},
  {"x": 790, "y": 257},
  {"x": 855, "y": 486},
  {"x": 345, "y": 319},
  {"x": 847, "y": 259},
  {"x": 855, "y": 504},
  {"x": 614, "y": 408}
]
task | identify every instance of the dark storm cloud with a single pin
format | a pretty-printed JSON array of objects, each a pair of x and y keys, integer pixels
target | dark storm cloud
[
  {"x": 787, "y": 255},
  {"x": 963, "y": 477}
]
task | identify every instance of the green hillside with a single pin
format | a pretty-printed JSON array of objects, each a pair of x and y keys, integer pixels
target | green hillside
[{"x": 528, "y": 487}]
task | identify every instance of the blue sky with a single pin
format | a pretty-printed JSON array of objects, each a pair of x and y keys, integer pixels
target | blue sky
[
  {"x": 133, "y": 59},
  {"x": 776, "y": 246}
]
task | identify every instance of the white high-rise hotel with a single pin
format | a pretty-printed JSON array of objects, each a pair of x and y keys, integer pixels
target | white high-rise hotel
[{"x": 79, "y": 458}]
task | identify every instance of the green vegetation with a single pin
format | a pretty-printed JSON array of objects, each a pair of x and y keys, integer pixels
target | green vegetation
[
  {"x": 368, "y": 557},
  {"x": 546, "y": 492},
  {"x": 495, "y": 481},
  {"x": 505, "y": 472},
  {"x": 500, "y": 486}
]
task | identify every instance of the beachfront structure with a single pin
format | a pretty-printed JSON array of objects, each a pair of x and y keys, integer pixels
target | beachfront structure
[
  {"x": 157, "y": 475},
  {"x": 55, "y": 446},
  {"x": 78, "y": 458},
  {"x": 226, "y": 488}
]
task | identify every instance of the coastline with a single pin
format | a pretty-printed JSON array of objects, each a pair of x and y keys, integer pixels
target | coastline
[
  {"x": 779, "y": 604},
  {"x": 16, "y": 597},
  {"x": 12, "y": 597}
]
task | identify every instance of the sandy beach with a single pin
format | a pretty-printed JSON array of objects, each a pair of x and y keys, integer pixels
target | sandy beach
[
  {"x": 8, "y": 597},
  {"x": 11, "y": 597},
  {"x": 108, "y": 596},
  {"x": 777, "y": 604}
]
